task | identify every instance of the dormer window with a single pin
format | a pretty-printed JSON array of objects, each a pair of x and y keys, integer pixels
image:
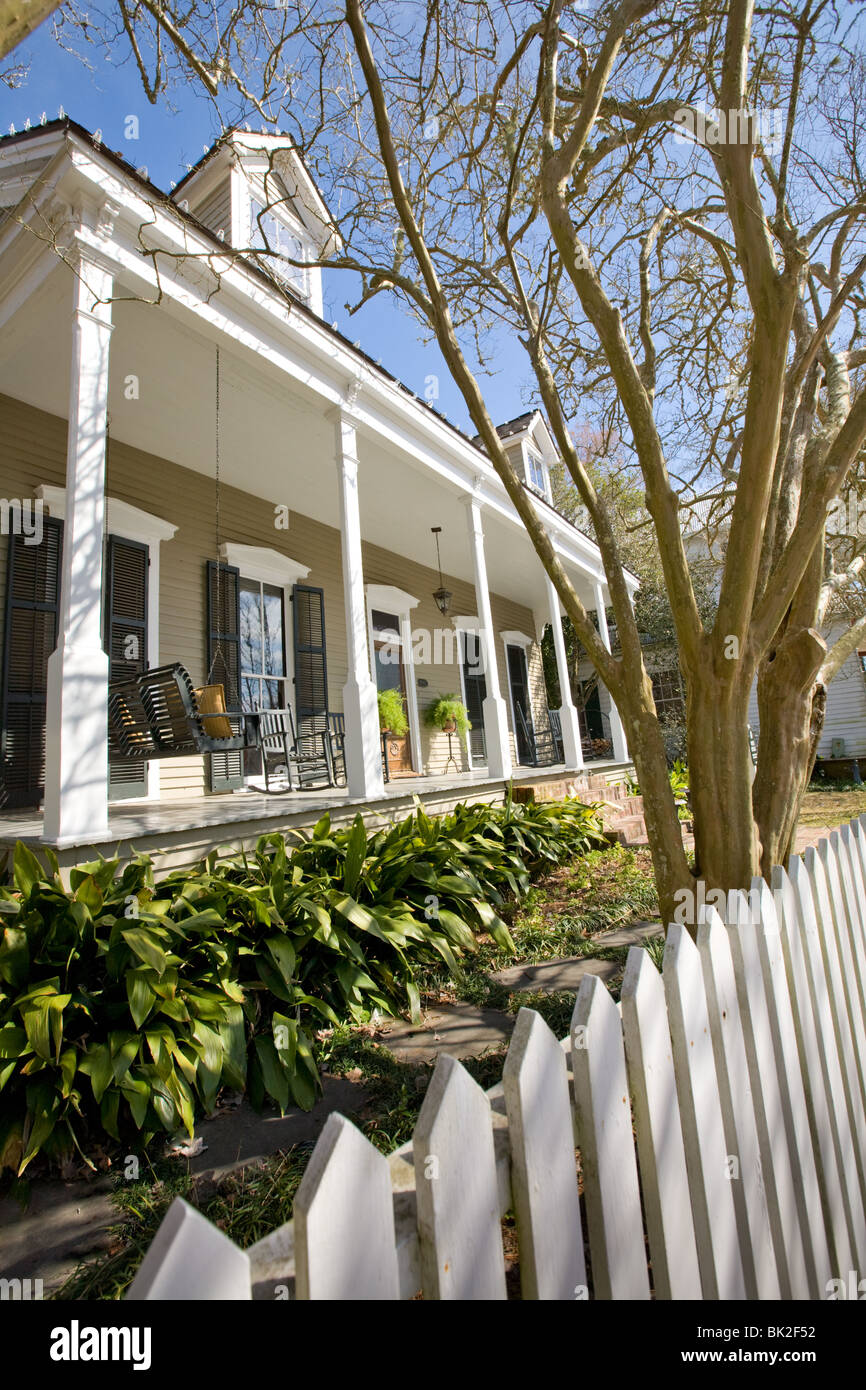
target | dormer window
[
  {"x": 536, "y": 473},
  {"x": 270, "y": 232}
]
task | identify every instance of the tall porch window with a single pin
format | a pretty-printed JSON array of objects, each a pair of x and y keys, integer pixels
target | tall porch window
[{"x": 262, "y": 645}]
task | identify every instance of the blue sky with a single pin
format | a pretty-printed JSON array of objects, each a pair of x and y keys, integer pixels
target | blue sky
[{"x": 172, "y": 135}]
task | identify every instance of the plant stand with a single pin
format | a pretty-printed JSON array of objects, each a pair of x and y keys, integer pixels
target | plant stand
[{"x": 451, "y": 758}]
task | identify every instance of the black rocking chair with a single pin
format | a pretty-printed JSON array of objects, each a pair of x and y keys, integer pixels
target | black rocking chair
[{"x": 305, "y": 762}]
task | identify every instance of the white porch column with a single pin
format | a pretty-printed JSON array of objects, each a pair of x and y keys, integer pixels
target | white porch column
[
  {"x": 76, "y": 742},
  {"x": 495, "y": 715},
  {"x": 363, "y": 739},
  {"x": 617, "y": 732},
  {"x": 572, "y": 751}
]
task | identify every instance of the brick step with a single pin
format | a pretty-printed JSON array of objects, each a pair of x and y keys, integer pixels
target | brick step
[
  {"x": 627, "y": 830},
  {"x": 628, "y": 806}
]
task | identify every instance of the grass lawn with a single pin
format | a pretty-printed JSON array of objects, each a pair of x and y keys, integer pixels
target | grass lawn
[
  {"x": 563, "y": 909},
  {"x": 832, "y": 804}
]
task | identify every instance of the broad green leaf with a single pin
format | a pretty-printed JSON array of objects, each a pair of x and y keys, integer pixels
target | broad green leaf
[{"x": 26, "y": 870}]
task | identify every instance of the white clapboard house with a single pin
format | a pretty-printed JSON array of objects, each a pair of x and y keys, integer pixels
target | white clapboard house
[{"x": 203, "y": 479}]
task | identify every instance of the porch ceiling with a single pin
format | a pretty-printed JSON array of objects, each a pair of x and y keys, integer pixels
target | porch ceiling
[{"x": 276, "y": 442}]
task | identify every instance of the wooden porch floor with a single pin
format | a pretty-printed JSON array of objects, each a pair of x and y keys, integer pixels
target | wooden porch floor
[{"x": 181, "y": 831}]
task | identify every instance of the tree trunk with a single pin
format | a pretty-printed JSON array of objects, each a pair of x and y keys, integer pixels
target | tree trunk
[
  {"x": 664, "y": 832},
  {"x": 720, "y": 776},
  {"x": 788, "y": 707}
]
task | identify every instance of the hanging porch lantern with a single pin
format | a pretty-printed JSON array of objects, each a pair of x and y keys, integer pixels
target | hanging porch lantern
[{"x": 441, "y": 595}]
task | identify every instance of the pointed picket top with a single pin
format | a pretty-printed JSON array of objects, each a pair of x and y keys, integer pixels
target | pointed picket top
[
  {"x": 814, "y": 892},
  {"x": 191, "y": 1259},
  {"x": 854, "y": 907},
  {"x": 855, "y": 844},
  {"x": 652, "y": 1083},
  {"x": 789, "y": 1068},
  {"x": 457, "y": 1189},
  {"x": 858, "y": 830},
  {"x": 822, "y": 1079},
  {"x": 345, "y": 1246},
  {"x": 759, "y": 1244},
  {"x": 607, "y": 1155},
  {"x": 829, "y": 857},
  {"x": 543, "y": 1167},
  {"x": 707, "y": 1158}
]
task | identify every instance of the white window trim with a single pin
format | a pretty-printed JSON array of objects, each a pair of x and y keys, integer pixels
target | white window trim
[
  {"x": 388, "y": 599},
  {"x": 132, "y": 524},
  {"x": 264, "y": 565},
  {"x": 466, "y": 623},
  {"x": 530, "y": 453},
  {"x": 521, "y": 640}
]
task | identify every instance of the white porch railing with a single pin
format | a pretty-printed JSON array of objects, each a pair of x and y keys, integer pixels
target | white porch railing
[{"x": 730, "y": 1091}]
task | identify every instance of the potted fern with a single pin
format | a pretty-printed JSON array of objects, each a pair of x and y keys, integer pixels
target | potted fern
[
  {"x": 448, "y": 714},
  {"x": 392, "y": 715}
]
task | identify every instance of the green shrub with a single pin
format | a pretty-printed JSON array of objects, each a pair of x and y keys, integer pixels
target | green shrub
[
  {"x": 392, "y": 715},
  {"x": 125, "y": 1003},
  {"x": 448, "y": 710}
]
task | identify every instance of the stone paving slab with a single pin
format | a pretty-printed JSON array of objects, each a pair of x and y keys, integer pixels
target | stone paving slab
[
  {"x": 235, "y": 1138},
  {"x": 633, "y": 935},
  {"x": 551, "y": 975},
  {"x": 461, "y": 1030}
]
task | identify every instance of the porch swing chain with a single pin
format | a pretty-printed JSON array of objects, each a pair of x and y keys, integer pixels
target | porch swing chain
[{"x": 217, "y": 654}]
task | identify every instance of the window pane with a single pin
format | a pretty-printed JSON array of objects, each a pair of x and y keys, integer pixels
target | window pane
[
  {"x": 274, "y": 658},
  {"x": 385, "y": 625},
  {"x": 251, "y": 626},
  {"x": 249, "y": 693}
]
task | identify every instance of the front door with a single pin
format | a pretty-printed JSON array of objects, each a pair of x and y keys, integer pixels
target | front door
[
  {"x": 391, "y": 675},
  {"x": 518, "y": 680},
  {"x": 474, "y": 692}
]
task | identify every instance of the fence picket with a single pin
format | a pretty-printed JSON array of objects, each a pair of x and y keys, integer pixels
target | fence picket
[
  {"x": 703, "y": 1128},
  {"x": 836, "y": 935},
  {"x": 829, "y": 1123},
  {"x": 344, "y": 1219},
  {"x": 670, "y": 1228},
  {"x": 768, "y": 1089},
  {"x": 607, "y": 1155},
  {"x": 543, "y": 1165},
  {"x": 839, "y": 847},
  {"x": 190, "y": 1258},
  {"x": 762, "y": 1248},
  {"x": 812, "y": 891},
  {"x": 850, "y": 837},
  {"x": 793, "y": 1095},
  {"x": 458, "y": 1197}
]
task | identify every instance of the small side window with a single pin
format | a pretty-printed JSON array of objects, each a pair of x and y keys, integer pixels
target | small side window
[
  {"x": 537, "y": 474},
  {"x": 271, "y": 234}
]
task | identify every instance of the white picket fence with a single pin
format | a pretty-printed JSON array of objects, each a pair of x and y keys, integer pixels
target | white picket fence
[{"x": 719, "y": 1113}]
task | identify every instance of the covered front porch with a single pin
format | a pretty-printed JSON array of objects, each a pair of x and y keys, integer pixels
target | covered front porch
[
  {"x": 180, "y": 832},
  {"x": 156, "y": 429}
]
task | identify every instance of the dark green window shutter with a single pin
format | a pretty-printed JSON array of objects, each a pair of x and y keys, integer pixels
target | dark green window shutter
[
  {"x": 125, "y": 639},
  {"x": 224, "y": 664},
  {"x": 311, "y": 665},
  {"x": 30, "y": 636}
]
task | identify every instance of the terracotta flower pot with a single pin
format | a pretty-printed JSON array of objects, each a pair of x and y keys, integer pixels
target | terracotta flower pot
[{"x": 450, "y": 726}]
